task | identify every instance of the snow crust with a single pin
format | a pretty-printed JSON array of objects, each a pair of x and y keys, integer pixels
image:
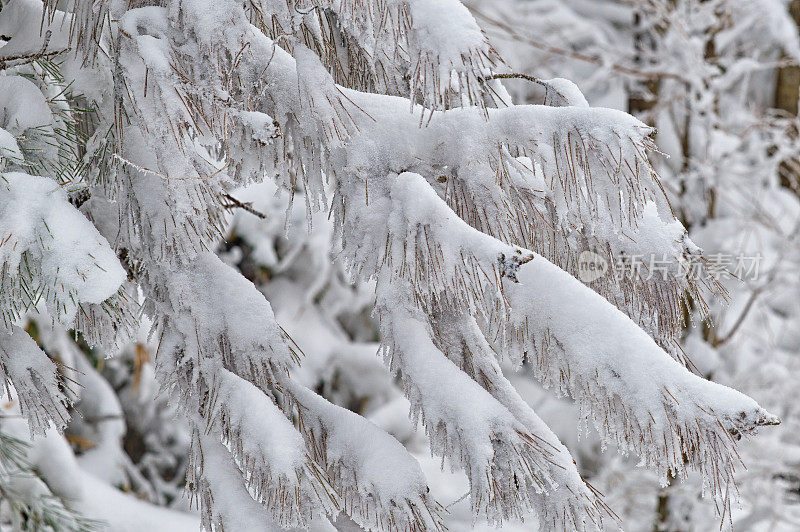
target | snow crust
[{"x": 60, "y": 255}]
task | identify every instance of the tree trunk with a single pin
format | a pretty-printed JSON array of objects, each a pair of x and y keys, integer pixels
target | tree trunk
[{"x": 787, "y": 93}]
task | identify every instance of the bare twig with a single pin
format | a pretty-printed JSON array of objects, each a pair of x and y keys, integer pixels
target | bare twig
[
  {"x": 753, "y": 296},
  {"x": 755, "y": 293},
  {"x": 517, "y": 76},
  {"x": 547, "y": 87},
  {"x": 247, "y": 206},
  {"x": 555, "y": 50}
]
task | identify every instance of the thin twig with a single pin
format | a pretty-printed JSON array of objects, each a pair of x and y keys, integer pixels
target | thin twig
[
  {"x": 547, "y": 87},
  {"x": 555, "y": 50},
  {"x": 247, "y": 206},
  {"x": 755, "y": 293},
  {"x": 457, "y": 500},
  {"x": 514, "y": 75}
]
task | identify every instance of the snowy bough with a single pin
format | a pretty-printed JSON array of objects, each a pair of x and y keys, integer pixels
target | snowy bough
[{"x": 467, "y": 212}]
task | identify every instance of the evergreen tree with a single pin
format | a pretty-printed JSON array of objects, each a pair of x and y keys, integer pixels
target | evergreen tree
[{"x": 470, "y": 216}]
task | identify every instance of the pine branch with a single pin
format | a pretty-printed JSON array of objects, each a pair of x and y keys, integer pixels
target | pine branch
[
  {"x": 33, "y": 506},
  {"x": 22, "y": 59}
]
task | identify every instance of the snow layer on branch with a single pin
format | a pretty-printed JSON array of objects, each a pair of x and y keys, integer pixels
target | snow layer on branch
[
  {"x": 638, "y": 396},
  {"x": 268, "y": 449},
  {"x": 25, "y": 115},
  {"x": 218, "y": 80},
  {"x": 537, "y": 176},
  {"x": 357, "y": 456},
  {"x": 30, "y": 377},
  {"x": 561, "y": 92},
  {"x": 172, "y": 208},
  {"x": 50, "y": 251},
  {"x": 430, "y": 50},
  {"x": 244, "y": 408},
  {"x": 23, "y": 105},
  {"x": 556, "y": 180},
  {"x": 221, "y": 353},
  {"x": 642, "y": 399},
  {"x": 513, "y": 461},
  {"x": 449, "y": 54},
  {"x": 411, "y": 232},
  {"x": 588, "y": 156},
  {"x": 9, "y": 149},
  {"x": 581, "y": 168},
  {"x": 442, "y": 262},
  {"x": 217, "y": 479},
  {"x": 222, "y": 314},
  {"x": 233, "y": 508},
  {"x": 320, "y": 100}
]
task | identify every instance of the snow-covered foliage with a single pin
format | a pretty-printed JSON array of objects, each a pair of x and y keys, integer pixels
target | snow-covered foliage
[
  {"x": 459, "y": 220},
  {"x": 704, "y": 74}
]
